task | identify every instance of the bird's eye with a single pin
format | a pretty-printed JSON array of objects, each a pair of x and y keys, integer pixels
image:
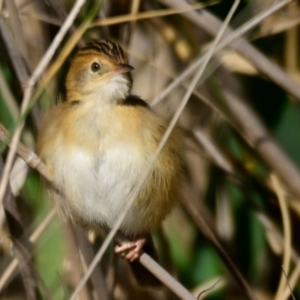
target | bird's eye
[{"x": 95, "y": 67}]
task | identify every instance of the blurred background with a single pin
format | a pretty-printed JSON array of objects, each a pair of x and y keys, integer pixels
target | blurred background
[{"x": 239, "y": 209}]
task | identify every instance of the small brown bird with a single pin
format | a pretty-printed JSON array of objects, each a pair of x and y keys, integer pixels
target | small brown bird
[{"x": 98, "y": 143}]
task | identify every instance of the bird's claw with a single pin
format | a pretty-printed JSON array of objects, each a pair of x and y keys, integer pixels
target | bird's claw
[{"x": 133, "y": 249}]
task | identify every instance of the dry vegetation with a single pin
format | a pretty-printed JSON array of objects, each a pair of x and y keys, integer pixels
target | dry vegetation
[{"x": 234, "y": 233}]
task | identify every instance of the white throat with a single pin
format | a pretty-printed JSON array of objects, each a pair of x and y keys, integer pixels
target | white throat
[{"x": 113, "y": 91}]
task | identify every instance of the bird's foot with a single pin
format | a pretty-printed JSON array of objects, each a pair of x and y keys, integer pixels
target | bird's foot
[{"x": 133, "y": 248}]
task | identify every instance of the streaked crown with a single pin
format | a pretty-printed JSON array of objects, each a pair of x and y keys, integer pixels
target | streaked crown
[{"x": 107, "y": 48}]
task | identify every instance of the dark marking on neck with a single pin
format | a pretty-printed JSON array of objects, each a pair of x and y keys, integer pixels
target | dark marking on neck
[
  {"x": 133, "y": 100},
  {"x": 75, "y": 102}
]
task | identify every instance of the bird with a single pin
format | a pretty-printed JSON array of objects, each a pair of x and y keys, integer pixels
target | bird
[{"x": 97, "y": 143}]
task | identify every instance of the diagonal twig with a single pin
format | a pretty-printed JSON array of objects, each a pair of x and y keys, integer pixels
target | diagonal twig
[{"x": 287, "y": 233}]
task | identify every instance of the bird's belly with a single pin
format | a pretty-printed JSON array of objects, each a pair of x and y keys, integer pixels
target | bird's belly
[{"x": 98, "y": 185}]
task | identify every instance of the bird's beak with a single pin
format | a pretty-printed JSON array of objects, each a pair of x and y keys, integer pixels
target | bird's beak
[{"x": 123, "y": 68}]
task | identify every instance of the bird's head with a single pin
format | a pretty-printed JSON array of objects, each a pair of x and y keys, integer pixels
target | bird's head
[{"x": 99, "y": 71}]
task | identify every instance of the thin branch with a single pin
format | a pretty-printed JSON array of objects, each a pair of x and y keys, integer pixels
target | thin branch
[
  {"x": 288, "y": 284},
  {"x": 219, "y": 158},
  {"x": 149, "y": 14},
  {"x": 209, "y": 288},
  {"x": 165, "y": 277},
  {"x": 287, "y": 234},
  {"x": 222, "y": 283}
]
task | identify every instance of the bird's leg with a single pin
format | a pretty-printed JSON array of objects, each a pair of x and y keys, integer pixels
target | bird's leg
[{"x": 133, "y": 248}]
